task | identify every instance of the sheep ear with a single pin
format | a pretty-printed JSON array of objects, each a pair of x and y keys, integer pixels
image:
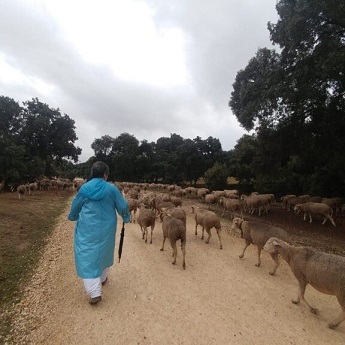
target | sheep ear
[{"x": 275, "y": 242}]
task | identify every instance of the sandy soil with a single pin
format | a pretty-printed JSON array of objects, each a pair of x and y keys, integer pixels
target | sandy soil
[{"x": 218, "y": 299}]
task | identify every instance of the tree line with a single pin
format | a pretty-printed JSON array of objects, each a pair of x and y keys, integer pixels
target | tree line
[{"x": 292, "y": 101}]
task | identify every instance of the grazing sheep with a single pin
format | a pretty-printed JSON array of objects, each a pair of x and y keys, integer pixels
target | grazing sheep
[
  {"x": 258, "y": 234},
  {"x": 21, "y": 190},
  {"x": 174, "y": 229},
  {"x": 316, "y": 208},
  {"x": 208, "y": 220},
  {"x": 146, "y": 218},
  {"x": 324, "y": 272}
]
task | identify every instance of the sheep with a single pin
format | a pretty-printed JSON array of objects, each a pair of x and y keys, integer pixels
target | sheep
[
  {"x": 210, "y": 199},
  {"x": 177, "y": 201},
  {"x": 258, "y": 234},
  {"x": 257, "y": 202},
  {"x": 334, "y": 203},
  {"x": 208, "y": 220},
  {"x": 218, "y": 194},
  {"x": 325, "y": 272},
  {"x": 231, "y": 193},
  {"x": 132, "y": 206},
  {"x": 158, "y": 204},
  {"x": 291, "y": 202},
  {"x": 146, "y": 218},
  {"x": 315, "y": 208},
  {"x": 32, "y": 187},
  {"x": 202, "y": 192},
  {"x": 21, "y": 190},
  {"x": 176, "y": 212},
  {"x": 174, "y": 229},
  {"x": 232, "y": 205},
  {"x": 284, "y": 199}
]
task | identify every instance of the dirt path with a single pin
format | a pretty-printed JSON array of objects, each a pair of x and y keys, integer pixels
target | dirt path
[{"x": 218, "y": 299}]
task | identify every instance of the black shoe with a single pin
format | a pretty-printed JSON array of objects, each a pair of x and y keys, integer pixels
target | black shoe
[
  {"x": 95, "y": 300},
  {"x": 105, "y": 281}
]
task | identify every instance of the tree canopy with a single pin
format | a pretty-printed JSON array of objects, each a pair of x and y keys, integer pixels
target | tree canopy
[
  {"x": 34, "y": 140},
  {"x": 294, "y": 99}
]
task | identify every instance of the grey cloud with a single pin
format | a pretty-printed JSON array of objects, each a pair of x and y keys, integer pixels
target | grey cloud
[{"x": 221, "y": 36}]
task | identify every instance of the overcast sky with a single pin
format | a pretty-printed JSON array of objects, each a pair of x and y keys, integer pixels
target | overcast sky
[{"x": 146, "y": 67}]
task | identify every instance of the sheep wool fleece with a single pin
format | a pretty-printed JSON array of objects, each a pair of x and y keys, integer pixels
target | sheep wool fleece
[{"x": 94, "y": 208}]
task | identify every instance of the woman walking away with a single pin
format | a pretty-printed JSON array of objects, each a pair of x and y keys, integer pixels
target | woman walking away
[{"x": 94, "y": 208}]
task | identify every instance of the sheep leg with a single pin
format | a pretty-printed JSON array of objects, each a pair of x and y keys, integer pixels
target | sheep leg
[
  {"x": 183, "y": 248},
  {"x": 209, "y": 235},
  {"x": 330, "y": 219},
  {"x": 275, "y": 257},
  {"x": 258, "y": 264},
  {"x": 310, "y": 219},
  {"x": 341, "y": 317},
  {"x": 151, "y": 233},
  {"x": 202, "y": 233},
  {"x": 163, "y": 243},
  {"x": 196, "y": 229},
  {"x": 244, "y": 249},
  {"x": 220, "y": 239},
  {"x": 174, "y": 254},
  {"x": 145, "y": 233},
  {"x": 301, "y": 291},
  {"x": 305, "y": 216}
]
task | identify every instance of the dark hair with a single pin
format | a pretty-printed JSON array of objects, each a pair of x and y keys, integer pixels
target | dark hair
[{"x": 98, "y": 169}]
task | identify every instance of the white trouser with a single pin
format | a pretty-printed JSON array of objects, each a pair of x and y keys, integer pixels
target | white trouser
[{"x": 93, "y": 286}]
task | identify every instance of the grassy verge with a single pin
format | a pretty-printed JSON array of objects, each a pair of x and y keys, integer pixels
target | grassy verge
[{"x": 25, "y": 226}]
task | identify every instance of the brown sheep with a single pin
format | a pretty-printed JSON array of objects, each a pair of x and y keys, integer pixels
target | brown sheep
[
  {"x": 325, "y": 272},
  {"x": 146, "y": 218},
  {"x": 258, "y": 234},
  {"x": 174, "y": 229},
  {"x": 208, "y": 220},
  {"x": 316, "y": 208}
]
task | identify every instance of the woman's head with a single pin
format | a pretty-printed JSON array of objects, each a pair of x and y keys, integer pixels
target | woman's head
[{"x": 99, "y": 169}]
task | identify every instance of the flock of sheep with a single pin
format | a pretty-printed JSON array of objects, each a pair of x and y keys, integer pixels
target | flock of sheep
[
  {"x": 325, "y": 272},
  {"x": 151, "y": 202}
]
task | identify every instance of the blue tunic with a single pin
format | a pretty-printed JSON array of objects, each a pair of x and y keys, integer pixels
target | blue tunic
[{"x": 94, "y": 208}]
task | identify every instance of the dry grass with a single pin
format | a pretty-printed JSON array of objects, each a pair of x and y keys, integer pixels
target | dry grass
[{"x": 24, "y": 228}]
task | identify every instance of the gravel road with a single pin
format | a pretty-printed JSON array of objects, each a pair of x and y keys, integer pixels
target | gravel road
[{"x": 218, "y": 299}]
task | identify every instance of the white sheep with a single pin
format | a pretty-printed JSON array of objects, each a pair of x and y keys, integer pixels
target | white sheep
[
  {"x": 208, "y": 220},
  {"x": 325, "y": 272},
  {"x": 258, "y": 234},
  {"x": 21, "y": 190},
  {"x": 146, "y": 218},
  {"x": 174, "y": 229},
  {"x": 315, "y": 208}
]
